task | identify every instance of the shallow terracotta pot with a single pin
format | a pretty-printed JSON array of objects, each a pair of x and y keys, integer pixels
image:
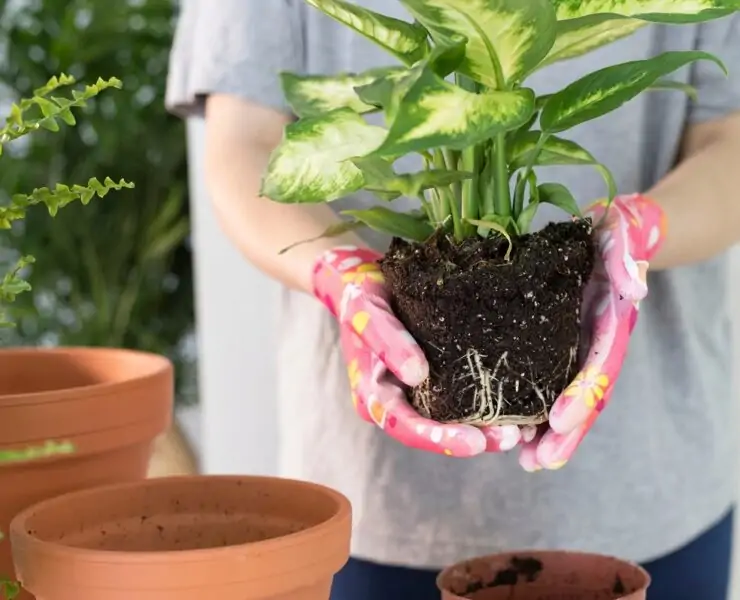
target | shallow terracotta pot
[
  {"x": 107, "y": 405},
  {"x": 185, "y": 538},
  {"x": 544, "y": 575}
]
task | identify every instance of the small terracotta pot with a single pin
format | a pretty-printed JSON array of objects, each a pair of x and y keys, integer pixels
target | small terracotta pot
[
  {"x": 108, "y": 405},
  {"x": 185, "y": 538},
  {"x": 544, "y": 575}
]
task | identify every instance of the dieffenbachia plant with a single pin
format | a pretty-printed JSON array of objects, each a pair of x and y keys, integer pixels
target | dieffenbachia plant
[
  {"x": 458, "y": 99},
  {"x": 44, "y": 111}
]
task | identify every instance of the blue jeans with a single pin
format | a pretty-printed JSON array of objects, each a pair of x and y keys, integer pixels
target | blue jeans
[{"x": 701, "y": 569}]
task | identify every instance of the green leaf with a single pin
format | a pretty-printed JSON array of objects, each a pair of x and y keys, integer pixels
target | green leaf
[
  {"x": 607, "y": 89},
  {"x": 524, "y": 220},
  {"x": 17, "y": 124},
  {"x": 402, "y": 225},
  {"x": 332, "y": 231},
  {"x": 436, "y": 113},
  {"x": 312, "y": 95},
  {"x": 575, "y": 37},
  {"x": 506, "y": 38},
  {"x": 381, "y": 179},
  {"x": 406, "y": 41},
  {"x": 495, "y": 223},
  {"x": 311, "y": 164},
  {"x": 677, "y": 86},
  {"x": 560, "y": 196},
  {"x": 554, "y": 151}
]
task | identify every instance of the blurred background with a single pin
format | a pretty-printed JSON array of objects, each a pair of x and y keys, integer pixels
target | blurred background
[
  {"x": 139, "y": 268},
  {"x": 117, "y": 272}
]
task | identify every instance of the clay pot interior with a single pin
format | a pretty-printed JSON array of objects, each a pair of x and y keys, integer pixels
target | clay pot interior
[
  {"x": 31, "y": 371},
  {"x": 185, "y": 538},
  {"x": 184, "y": 515},
  {"x": 541, "y": 575}
]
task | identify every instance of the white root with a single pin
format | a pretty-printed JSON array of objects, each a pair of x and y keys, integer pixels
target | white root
[{"x": 487, "y": 387}]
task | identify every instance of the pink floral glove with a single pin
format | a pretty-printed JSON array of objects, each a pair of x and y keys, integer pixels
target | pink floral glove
[
  {"x": 629, "y": 235},
  {"x": 382, "y": 357}
]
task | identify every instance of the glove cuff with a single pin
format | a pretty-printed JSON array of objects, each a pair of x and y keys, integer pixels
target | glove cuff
[{"x": 339, "y": 267}]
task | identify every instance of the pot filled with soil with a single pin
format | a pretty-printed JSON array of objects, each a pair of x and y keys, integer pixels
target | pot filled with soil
[
  {"x": 72, "y": 418},
  {"x": 185, "y": 538},
  {"x": 544, "y": 575},
  {"x": 495, "y": 305}
]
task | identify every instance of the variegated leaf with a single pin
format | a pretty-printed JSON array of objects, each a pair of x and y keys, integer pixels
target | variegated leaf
[
  {"x": 406, "y": 41},
  {"x": 435, "y": 113},
  {"x": 554, "y": 151},
  {"x": 389, "y": 91},
  {"x": 390, "y": 222},
  {"x": 527, "y": 149},
  {"x": 312, "y": 162},
  {"x": 605, "y": 90},
  {"x": 311, "y": 95},
  {"x": 660, "y": 11},
  {"x": 584, "y": 25},
  {"x": 506, "y": 38},
  {"x": 579, "y": 36},
  {"x": 383, "y": 181}
]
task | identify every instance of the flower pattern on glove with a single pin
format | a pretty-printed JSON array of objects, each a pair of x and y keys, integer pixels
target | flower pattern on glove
[
  {"x": 629, "y": 232},
  {"x": 382, "y": 357}
]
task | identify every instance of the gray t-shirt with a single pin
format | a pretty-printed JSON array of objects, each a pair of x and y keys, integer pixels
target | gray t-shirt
[{"x": 657, "y": 468}]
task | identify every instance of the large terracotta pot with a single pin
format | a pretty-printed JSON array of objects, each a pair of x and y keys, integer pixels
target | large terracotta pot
[
  {"x": 107, "y": 406},
  {"x": 185, "y": 538},
  {"x": 544, "y": 575}
]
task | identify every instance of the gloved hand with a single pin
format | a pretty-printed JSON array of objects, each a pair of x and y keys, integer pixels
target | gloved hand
[
  {"x": 382, "y": 357},
  {"x": 629, "y": 235}
]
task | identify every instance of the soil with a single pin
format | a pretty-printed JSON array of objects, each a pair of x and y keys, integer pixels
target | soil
[
  {"x": 501, "y": 335},
  {"x": 521, "y": 581}
]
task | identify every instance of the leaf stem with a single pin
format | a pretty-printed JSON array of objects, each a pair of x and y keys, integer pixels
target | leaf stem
[
  {"x": 502, "y": 199},
  {"x": 448, "y": 197},
  {"x": 522, "y": 182}
]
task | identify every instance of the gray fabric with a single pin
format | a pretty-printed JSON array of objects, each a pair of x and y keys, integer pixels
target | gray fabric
[{"x": 658, "y": 467}]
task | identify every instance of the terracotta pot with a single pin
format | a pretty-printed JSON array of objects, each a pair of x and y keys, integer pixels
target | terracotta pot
[
  {"x": 544, "y": 575},
  {"x": 185, "y": 538},
  {"x": 108, "y": 404}
]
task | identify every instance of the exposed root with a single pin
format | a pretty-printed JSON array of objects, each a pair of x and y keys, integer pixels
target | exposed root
[{"x": 486, "y": 388}]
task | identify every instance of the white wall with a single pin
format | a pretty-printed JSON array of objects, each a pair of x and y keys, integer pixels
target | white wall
[{"x": 235, "y": 312}]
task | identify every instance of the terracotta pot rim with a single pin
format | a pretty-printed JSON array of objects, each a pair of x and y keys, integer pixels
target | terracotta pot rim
[
  {"x": 155, "y": 365},
  {"x": 19, "y": 533},
  {"x": 542, "y": 554}
]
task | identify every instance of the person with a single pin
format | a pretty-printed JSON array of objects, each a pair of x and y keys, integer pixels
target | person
[{"x": 653, "y": 480}]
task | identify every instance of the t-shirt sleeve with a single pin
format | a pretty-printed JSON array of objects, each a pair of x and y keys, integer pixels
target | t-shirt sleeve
[
  {"x": 233, "y": 47},
  {"x": 718, "y": 94}
]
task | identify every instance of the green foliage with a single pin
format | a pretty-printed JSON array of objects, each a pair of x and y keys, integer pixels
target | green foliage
[
  {"x": 476, "y": 135},
  {"x": 23, "y": 120},
  {"x": 113, "y": 273}
]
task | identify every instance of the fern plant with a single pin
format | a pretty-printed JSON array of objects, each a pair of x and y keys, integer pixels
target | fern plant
[
  {"x": 45, "y": 111},
  {"x": 459, "y": 100}
]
